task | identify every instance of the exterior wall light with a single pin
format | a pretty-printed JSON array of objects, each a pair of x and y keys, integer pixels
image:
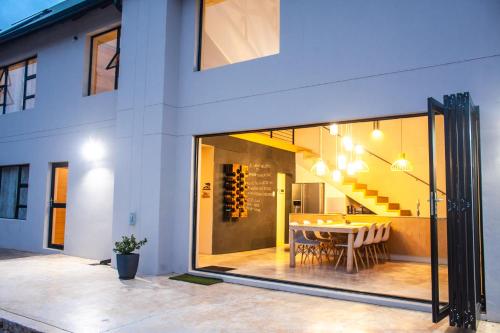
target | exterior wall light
[{"x": 93, "y": 150}]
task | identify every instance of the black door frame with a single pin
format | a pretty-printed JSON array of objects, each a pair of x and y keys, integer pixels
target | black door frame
[
  {"x": 53, "y": 205},
  {"x": 464, "y": 211}
]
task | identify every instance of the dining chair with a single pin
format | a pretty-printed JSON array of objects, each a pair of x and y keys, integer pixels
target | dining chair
[
  {"x": 385, "y": 239},
  {"x": 376, "y": 241},
  {"x": 368, "y": 242},
  {"x": 358, "y": 243},
  {"x": 307, "y": 247}
]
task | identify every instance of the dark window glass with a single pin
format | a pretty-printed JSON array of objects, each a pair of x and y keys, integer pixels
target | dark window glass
[{"x": 14, "y": 191}]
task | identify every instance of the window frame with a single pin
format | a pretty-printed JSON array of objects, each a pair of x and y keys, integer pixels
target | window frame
[
  {"x": 4, "y": 70},
  {"x": 20, "y": 185},
  {"x": 117, "y": 54}
]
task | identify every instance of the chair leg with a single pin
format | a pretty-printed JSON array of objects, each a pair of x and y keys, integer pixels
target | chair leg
[
  {"x": 355, "y": 261},
  {"x": 340, "y": 257},
  {"x": 356, "y": 252}
]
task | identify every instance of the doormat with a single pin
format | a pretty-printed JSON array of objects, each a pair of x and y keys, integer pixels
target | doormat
[
  {"x": 217, "y": 268},
  {"x": 196, "y": 279}
]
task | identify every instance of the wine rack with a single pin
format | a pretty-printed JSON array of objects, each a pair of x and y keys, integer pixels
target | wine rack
[{"x": 235, "y": 186}]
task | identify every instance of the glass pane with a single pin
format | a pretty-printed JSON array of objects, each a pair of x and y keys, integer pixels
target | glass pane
[
  {"x": 25, "y": 172},
  {"x": 29, "y": 104},
  {"x": 103, "y": 50},
  {"x": 58, "y": 226},
  {"x": 8, "y": 192},
  {"x": 15, "y": 87},
  {"x": 32, "y": 66},
  {"x": 30, "y": 87},
  {"x": 239, "y": 30},
  {"x": 22, "y": 213},
  {"x": 2, "y": 76},
  {"x": 60, "y": 185},
  {"x": 23, "y": 196},
  {"x": 440, "y": 164},
  {"x": 1, "y": 98}
]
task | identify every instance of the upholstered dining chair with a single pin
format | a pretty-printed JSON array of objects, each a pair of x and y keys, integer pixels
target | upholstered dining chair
[{"x": 358, "y": 243}]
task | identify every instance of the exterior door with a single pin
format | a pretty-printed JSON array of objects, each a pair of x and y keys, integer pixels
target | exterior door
[
  {"x": 57, "y": 205},
  {"x": 463, "y": 211}
]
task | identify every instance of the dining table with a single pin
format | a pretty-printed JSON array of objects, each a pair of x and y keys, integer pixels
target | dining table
[{"x": 351, "y": 229}]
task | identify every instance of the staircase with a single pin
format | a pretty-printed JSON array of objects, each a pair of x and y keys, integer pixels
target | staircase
[
  {"x": 359, "y": 192},
  {"x": 305, "y": 158}
]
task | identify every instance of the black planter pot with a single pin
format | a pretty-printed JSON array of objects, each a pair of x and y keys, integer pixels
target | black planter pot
[{"x": 127, "y": 265}]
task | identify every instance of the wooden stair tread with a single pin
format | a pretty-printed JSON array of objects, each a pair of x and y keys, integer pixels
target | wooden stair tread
[{"x": 405, "y": 212}]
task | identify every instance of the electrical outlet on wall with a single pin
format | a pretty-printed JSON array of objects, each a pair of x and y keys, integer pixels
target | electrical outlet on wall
[{"x": 132, "y": 218}]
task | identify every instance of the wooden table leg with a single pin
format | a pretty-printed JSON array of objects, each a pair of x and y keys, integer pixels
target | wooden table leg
[
  {"x": 350, "y": 243},
  {"x": 291, "y": 234}
]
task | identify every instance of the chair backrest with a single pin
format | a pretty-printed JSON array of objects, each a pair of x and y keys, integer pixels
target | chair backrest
[
  {"x": 371, "y": 234},
  {"x": 360, "y": 237},
  {"x": 380, "y": 232},
  {"x": 387, "y": 232},
  {"x": 310, "y": 235}
]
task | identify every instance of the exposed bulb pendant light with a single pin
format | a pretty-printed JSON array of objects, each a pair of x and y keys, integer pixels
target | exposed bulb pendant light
[
  {"x": 336, "y": 174},
  {"x": 401, "y": 164},
  {"x": 319, "y": 167},
  {"x": 334, "y": 129},
  {"x": 341, "y": 159},
  {"x": 377, "y": 134}
]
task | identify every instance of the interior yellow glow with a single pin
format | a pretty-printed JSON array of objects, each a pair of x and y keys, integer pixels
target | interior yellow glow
[
  {"x": 377, "y": 134},
  {"x": 337, "y": 176},
  {"x": 347, "y": 143},
  {"x": 320, "y": 168},
  {"x": 334, "y": 129}
]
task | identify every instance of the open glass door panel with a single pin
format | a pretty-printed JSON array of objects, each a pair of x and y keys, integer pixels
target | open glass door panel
[{"x": 438, "y": 211}]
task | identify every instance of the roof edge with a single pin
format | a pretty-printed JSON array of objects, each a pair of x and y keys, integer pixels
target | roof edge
[{"x": 77, "y": 10}]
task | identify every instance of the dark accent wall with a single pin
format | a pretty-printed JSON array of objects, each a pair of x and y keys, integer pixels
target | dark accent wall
[{"x": 258, "y": 230}]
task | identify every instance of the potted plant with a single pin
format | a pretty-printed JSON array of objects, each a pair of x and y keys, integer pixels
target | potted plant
[{"x": 126, "y": 260}]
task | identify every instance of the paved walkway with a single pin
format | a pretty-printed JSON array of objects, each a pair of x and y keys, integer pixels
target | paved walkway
[{"x": 57, "y": 293}]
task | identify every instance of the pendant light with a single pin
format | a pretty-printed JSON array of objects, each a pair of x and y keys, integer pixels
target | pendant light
[
  {"x": 342, "y": 159},
  {"x": 377, "y": 134},
  {"x": 319, "y": 167},
  {"x": 336, "y": 174},
  {"x": 401, "y": 164},
  {"x": 359, "y": 164},
  {"x": 334, "y": 129}
]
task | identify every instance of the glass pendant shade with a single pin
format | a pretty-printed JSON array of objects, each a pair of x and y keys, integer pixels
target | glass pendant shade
[
  {"x": 359, "y": 150},
  {"x": 334, "y": 129},
  {"x": 402, "y": 164},
  {"x": 337, "y": 176},
  {"x": 361, "y": 166},
  {"x": 319, "y": 167},
  {"x": 347, "y": 143},
  {"x": 342, "y": 162},
  {"x": 351, "y": 168},
  {"x": 377, "y": 134}
]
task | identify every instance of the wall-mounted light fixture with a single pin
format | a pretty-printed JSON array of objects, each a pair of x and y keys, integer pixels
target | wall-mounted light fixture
[{"x": 93, "y": 150}]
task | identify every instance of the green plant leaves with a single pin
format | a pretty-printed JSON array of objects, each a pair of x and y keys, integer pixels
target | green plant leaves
[{"x": 128, "y": 244}]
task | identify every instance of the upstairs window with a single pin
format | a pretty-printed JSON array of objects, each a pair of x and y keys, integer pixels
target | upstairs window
[
  {"x": 17, "y": 86},
  {"x": 238, "y": 30},
  {"x": 14, "y": 191},
  {"x": 104, "y": 61}
]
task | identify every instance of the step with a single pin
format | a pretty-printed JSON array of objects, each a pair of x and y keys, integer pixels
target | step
[
  {"x": 371, "y": 193},
  {"x": 405, "y": 212},
  {"x": 393, "y": 206},
  {"x": 360, "y": 187},
  {"x": 382, "y": 199},
  {"x": 349, "y": 180}
]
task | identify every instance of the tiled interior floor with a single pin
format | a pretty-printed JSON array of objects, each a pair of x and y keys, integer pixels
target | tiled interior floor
[{"x": 395, "y": 278}]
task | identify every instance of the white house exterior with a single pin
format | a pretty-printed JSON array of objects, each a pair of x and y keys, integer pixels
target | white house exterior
[{"x": 337, "y": 60}]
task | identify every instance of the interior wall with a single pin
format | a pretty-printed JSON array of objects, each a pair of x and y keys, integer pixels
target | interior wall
[
  {"x": 258, "y": 230},
  {"x": 206, "y": 200}
]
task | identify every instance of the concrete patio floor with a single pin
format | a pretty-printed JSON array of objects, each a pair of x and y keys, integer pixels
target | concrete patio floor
[{"x": 58, "y": 293}]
